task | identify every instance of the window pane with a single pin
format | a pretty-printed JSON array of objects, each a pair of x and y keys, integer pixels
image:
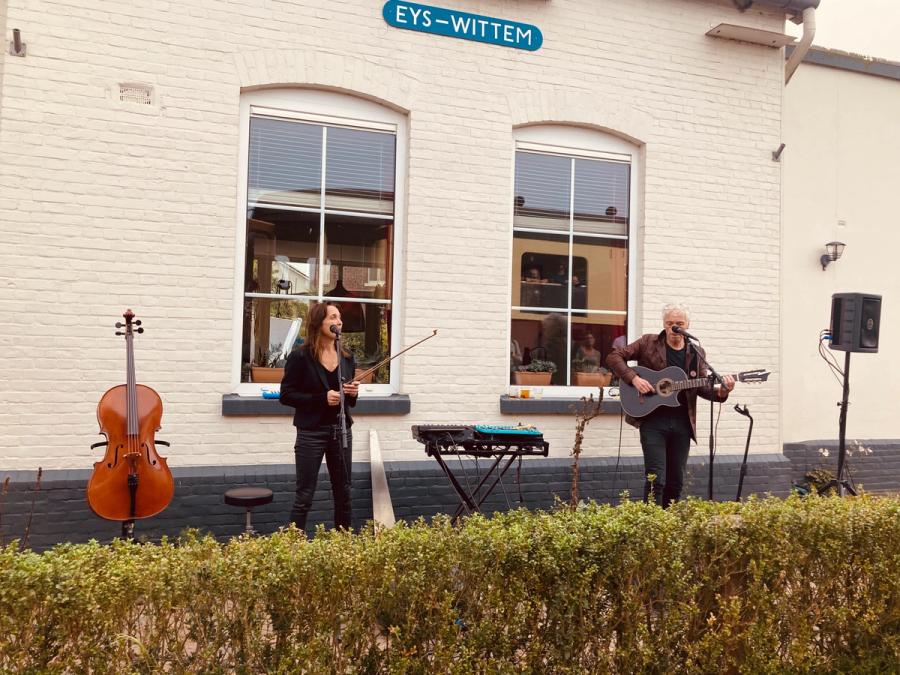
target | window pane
[
  {"x": 540, "y": 270},
  {"x": 366, "y": 334},
  {"x": 601, "y": 196},
  {"x": 357, "y": 253},
  {"x": 282, "y": 251},
  {"x": 539, "y": 338},
  {"x": 273, "y": 328},
  {"x": 542, "y": 189},
  {"x": 593, "y": 338},
  {"x": 359, "y": 173},
  {"x": 600, "y": 274},
  {"x": 285, "y": 163}
]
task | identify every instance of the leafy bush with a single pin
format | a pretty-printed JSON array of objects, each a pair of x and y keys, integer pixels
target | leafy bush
[
  {"x": 539, "y": 366},
  {"x": 795, "y": 585}
]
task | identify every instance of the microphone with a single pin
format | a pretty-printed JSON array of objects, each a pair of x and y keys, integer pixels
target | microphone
[
  {"x": 681, "y": 331},
  {"x": 334, "y": 329}
]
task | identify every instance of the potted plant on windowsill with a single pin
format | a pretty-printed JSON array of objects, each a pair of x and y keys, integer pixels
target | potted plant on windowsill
[
  {"x": 588, "y": 374},
  {"x": 536, "y": 373},
  {"x": 268, "y": 366}
]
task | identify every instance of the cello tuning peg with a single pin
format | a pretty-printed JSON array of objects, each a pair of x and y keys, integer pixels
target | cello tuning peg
[
  {"x": 118, "y": 332},
  {"x": 119, "y": 324},
  {"x": 140, "y": 330},
  {"x": 137, "y": 322}
]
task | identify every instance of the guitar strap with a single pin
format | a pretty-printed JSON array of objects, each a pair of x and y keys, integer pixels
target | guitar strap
[{"x": 691, "y": 372}]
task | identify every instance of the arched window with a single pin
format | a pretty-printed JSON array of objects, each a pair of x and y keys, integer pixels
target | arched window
[
  {"x": 321, "y": 210},
  {"x": 572, "y": 223}
]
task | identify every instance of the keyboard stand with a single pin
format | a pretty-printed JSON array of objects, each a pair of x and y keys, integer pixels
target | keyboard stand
[
  {"x": 460, "y": 509},
  {"x": 470, "y": 502}
]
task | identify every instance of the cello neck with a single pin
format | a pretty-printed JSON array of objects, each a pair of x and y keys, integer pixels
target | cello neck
[
  {"x": 131, "y": 387},
  {"x": 131, "y": 407}
]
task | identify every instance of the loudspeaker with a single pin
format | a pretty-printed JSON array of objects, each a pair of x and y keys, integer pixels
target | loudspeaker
[{"x": 855, "y": 320}]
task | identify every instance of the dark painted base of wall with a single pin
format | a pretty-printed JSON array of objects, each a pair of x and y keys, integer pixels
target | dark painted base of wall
[
  {"x": 58, "y": 512},
  {"x": 873, "y": 465}
]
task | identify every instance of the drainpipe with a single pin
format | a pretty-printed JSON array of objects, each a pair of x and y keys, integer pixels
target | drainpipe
[
  {"x": 809, "y": 32},
  {"x": 807, "y": 16}
]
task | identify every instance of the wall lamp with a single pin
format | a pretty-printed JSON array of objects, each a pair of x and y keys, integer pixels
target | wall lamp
[
  {"x": 16, "y": 46},
  {"x": 835, "y": 249}
]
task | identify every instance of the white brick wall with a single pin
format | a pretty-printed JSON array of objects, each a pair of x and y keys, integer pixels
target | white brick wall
[{"x": 105, "y": 205}]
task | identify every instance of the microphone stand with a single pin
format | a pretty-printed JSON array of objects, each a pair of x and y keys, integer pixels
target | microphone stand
[
  {"x": 342, "y": 417},
  {"x": 713, "y": 378},
  {"x": 745, "y": 411},
  {"x": 343, "y": 440}
]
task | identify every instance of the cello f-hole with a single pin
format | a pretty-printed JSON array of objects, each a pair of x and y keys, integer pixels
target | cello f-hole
[
  {"x": 151, "y": 461},
  {"x": 115, "y": 458}
]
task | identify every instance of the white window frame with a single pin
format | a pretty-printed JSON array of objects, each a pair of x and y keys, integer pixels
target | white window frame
[
  {"x": 579, "y": 142},
  {"x": 330, "y": 108}
]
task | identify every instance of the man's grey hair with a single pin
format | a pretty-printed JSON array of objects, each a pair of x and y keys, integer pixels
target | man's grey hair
[{"x": 677, "y": 307}]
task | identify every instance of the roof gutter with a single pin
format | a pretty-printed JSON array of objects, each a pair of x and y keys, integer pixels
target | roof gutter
[{"x": 801, "y": 11}]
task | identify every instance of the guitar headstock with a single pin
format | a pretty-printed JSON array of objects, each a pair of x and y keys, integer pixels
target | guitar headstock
[
  {"x": 129, "y": 324},
  {"x": 753, "y": 376}
]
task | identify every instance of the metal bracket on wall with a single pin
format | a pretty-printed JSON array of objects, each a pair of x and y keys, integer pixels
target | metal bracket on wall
[
  {"x": 776, "y": 154},
  {"x": 16, "y": 46}
]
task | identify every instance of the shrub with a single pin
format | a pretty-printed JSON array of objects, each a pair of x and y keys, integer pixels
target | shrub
[
  {"x": 539, "y": 366},
  {"x": 770, "y": 585}
]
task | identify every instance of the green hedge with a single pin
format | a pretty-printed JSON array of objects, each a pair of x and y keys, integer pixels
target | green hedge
[{"x": 802, "y": 585}]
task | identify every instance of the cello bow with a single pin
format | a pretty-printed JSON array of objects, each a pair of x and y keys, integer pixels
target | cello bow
[{"x": 391, "y": 358}]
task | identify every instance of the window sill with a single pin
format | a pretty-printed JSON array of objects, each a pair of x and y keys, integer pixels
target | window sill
[
  {"x": 552, "y": 406},
  {"x": 233, "y": 405}
]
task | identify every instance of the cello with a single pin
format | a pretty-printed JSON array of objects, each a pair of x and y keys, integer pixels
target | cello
[{"x": 131, "y": 481}]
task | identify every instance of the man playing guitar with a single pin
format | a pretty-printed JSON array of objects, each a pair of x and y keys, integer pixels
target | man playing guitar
[{"x": 666, "y": 433}]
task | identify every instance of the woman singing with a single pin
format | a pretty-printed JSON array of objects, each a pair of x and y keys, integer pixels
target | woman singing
[{"x": 311, "y": 387}]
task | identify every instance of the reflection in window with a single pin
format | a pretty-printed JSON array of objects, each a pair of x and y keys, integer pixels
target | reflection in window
[
  {"x": 314, "y": 235},
  {"x": 277, "y": 327},
  {"x": 570, "y": 264},
  {"x": 546, "y": 281}
]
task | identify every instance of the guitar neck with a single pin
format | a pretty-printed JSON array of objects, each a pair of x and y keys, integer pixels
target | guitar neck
[{"x": 694, "y": 383}]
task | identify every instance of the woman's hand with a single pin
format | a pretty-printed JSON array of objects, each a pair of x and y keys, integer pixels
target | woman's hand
[
  {"x": 334, "y": 397},
  {"x": 351, "y": 388}
]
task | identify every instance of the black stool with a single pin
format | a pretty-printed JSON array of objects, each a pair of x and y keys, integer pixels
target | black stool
[{"x": 248, "y": 497}]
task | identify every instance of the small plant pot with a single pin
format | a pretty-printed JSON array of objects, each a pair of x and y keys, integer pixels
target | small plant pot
[
  {"x": 267, "y": 375},
  {"x": 591, "y": 379},
  {"x": 532, "y": 379}
]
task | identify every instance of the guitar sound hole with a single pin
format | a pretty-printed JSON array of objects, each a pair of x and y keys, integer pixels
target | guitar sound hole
[{"x": 664, "y": 388}]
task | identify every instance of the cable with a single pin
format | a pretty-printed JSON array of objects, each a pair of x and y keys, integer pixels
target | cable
[
  {"x": 618, "y": 453},
  {"x": 825, "y": 353},
  {"x": 716, "y": 431},
  {"x": 829, "y": 358},
  {"x": 455, "y": 448},
  {"x": 519, "y": 480},
  {"x": 500, "y": 476}
]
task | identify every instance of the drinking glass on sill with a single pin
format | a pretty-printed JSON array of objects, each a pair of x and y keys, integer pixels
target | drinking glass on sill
[
  {"x": 537, "y": 392},
  {"x": 524, "y": 392}
]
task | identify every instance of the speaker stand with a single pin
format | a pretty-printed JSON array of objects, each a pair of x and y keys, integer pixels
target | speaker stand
[{"x": 839, "y": 483}]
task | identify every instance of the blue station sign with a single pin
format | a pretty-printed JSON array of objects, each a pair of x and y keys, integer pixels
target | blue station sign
[{"x": 452, "y": 23}]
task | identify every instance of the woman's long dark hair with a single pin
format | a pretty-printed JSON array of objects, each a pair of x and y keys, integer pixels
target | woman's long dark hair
[{"x": 315, "y": 342}]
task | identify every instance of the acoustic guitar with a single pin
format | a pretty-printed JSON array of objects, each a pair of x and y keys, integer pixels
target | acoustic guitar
[{"x": 666, "y": 385}]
